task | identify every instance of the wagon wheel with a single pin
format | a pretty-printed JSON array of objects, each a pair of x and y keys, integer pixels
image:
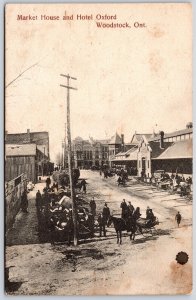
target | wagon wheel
[{"x": 146, "y": 232}]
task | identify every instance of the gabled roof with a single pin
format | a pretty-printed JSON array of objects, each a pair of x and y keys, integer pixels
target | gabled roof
[
  {"x": 20, "y": 150},
  {"x": 181, "y": 149},
  {"x": 115, "y": 140},
  {"x": 137, "y": 137}
]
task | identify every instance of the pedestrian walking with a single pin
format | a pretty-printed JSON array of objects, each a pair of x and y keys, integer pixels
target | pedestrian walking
[{"x": 178, "y": 218}]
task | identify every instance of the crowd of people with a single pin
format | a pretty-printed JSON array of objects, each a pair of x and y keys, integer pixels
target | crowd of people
[{"x": 53, "y": 197}]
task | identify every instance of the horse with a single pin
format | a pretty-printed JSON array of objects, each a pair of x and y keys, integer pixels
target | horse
[{"x": 121, "y": 225}]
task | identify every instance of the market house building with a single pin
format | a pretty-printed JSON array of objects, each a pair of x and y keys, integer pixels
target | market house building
[
  {"x": 171, "y": 152},
  {"x": 177, "y": 158},
  {"x": 128, "y": 159}
]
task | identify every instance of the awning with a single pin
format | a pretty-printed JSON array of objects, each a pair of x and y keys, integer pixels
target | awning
[{"x": 130, "y": 155}]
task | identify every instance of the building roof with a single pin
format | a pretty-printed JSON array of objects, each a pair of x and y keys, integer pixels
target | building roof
[
  {"x": 173, "y": 134},
  {"x": 137, "y": 137},
  {"x": 181, "y": 149},
  {"x": 129, "y": 155},
  {"x": 27, "y": 137},
  {"x": 156, "y": 150},
  {"x": 115, "y": 140},
  {"x": 20, "y": 150}
]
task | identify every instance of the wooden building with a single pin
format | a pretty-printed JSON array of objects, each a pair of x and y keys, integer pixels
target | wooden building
[{"x": 20, "y": 159}]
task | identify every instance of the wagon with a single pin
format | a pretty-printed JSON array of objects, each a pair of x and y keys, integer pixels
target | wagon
[{"x": 146, "y": 226}]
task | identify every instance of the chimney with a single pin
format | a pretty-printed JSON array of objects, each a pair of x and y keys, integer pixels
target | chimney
[
  {"x": 189, "y": 125},
  {"x": 161, "y": 139},
  {"x": 28, "y": 136},
  {"x": 122, "y": 142}
]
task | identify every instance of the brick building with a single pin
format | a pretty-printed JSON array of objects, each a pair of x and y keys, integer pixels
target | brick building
[{"x": 88, "y": 153}]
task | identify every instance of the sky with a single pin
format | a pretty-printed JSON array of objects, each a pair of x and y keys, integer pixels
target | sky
[{"x": 128, "y": 79}]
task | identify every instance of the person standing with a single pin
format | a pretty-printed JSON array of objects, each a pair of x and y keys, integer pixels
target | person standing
[
  {"x": 124, "y": 208},
  {"x": 83, "y": 185},
  {"x": 102, "y": 224},
  {"x": 106, "y": 213},
  {"x": 178, "y": 218},
  {"x": 38, "y": 200},
  {"x": 131, "y": 209},
  {"x": 48, "y": 182},
  {"x": 93, "y": 207},
  {"x": 24, "y": 201}
]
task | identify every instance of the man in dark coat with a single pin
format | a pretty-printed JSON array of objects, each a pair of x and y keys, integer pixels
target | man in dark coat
[
  {"x": 93, "y": 207},
  {"x": 124, "y": 208},
  {"x": 24, "y": 201},
  {"x": 106, "y": 213},
  {"x": 101, "y": 221},
  {"x": 83, "y": 185},
  {"x": 136, "y": 214},
  {"x": 38, "y": 200},
  {"x": 48, "y": 182},
  {"x": 178, "y": 218},
  {"x": 130, "y": 208}
]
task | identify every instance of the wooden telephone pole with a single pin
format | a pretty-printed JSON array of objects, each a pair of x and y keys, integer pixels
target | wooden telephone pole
[
  {"x": 65, "y": 154},
  {"x": 74, "y": 211}
]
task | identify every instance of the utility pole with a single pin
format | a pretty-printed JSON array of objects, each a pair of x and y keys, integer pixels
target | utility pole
[
  {"x": 62, "y": 154},
  {"x": 74, "y": 211},
  {"x": 65, "y": 159}
]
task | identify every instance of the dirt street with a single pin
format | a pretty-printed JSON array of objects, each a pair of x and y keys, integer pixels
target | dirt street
[{"x": 100, "y": 265}]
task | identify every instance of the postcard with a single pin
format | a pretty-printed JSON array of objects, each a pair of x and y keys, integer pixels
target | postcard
[{"x": 98, "y": 149}]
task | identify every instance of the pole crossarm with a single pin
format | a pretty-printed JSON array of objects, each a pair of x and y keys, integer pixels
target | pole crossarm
[
  {"x": 68, "y": 87},
  {"x": 74, "y": 78}
]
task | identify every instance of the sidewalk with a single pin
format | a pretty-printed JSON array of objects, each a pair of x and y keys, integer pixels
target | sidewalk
[{"x": 25, "y": 228}]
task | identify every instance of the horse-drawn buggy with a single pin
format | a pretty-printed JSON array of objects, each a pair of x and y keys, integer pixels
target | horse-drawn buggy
[
  {"x": 146, "y": 226},
  {"x": 141, "y": 226}
]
